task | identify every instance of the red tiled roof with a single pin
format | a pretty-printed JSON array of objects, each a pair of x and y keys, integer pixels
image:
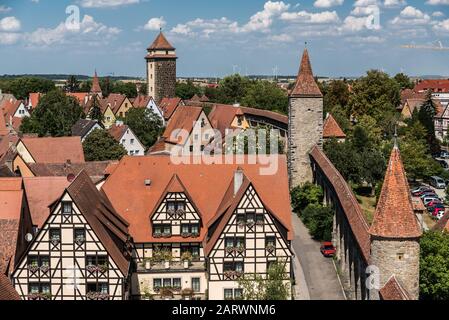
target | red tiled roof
[
  {"x": 141, "y": 101},
  {"x": 117, "y": 131},
  {"x": 115, "y": 101},
  {"x": 434, "y": 85},
  {"x": 41, "y": 192},
  {"x": 95, "y": 84},
  {"x": 7, "y": 291},
  {"x": 140, "y": 200},
  {"x": 34, "y": 98},
  {"x": 9, "y": 108},
  {"x": 222, "y": 115},
  {"x": 161, "y": 43},
  {"x": 266, "y": 114},
  {"x": 348, "y": 201},
  {"x": 16, "y": 123},
  {"x": 410, "y": 94},
  {"x": 3, "y": 129},
  {"x": 393, "y": 291},
  {"x": 55, "y": 150},
  {"x": 80, "y": 96},
  {"x": 305, "y": 82},
  {"x": 169, "y": 105},
  {"x": 394, "y": 216},
  {"x": 184, "y": 118},
  {"x": 331, "y": 128}
]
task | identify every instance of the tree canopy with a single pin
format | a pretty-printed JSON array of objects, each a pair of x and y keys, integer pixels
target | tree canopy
[
  {"x": 22, "y": 87},
  {"x": 55, "y": 115},
  {"x": 101, "y": 146},
  {"x": 72, "y": 84},
  {"x": 145, "y": 124}
]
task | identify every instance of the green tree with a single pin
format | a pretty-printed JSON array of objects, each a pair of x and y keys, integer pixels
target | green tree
[
  {"x": 22, "y": 87},
  {"x": 374, "y": 166},
  {"x": 143, "y": 89},
  {"x": 265, "y": 95},
  {"x": 336, "y": 93},
  {"x": 426, "y": 115},
  {"x": 345, "y": 158},
  {"x": 434, "y": 266},
  {"x": 319, "y": 221},
  {"x": 128, "y": 89},
  {"x": 302, "y": 196},
  {"x": 55, "y": 115},
  {"x": 95, "y": 111},
  {"x": 72, "y": 84},
  {"x": 232, "y": 89},
  {"x": 145, "y": 124},
  {"x": 404, "y": 81},
  {"x": 85, "y": 86},
  {"x": 106, "y": 86},
  {"x": 101, "y": 146},
  {"x": 187, "y": 90}
]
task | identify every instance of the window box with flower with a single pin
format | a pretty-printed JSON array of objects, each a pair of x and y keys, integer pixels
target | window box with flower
[{"x": 97, "y": 296}]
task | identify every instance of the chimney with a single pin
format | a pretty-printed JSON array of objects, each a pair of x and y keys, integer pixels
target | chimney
[
  {"x": 147, "y": 182},
  {"x": 238, "y": 180},
  {"x": 119, "y": 123},
  {"x": 68, "y": 163},
  {"x": 236, "y": 105}
]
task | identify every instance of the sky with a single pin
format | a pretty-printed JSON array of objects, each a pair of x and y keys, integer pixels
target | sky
[{"x": 219, "y": 37}]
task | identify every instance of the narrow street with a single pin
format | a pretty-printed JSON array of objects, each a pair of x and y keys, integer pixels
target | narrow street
[{"x": 318, "y": 272}]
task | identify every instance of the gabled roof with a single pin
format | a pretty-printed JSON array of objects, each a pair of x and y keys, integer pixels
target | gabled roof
[
  {"x": 222, "y": 116},
  {"x": 3, "y": 129},
  {"x": 41, "y": 192},
  {"x": 283, "y": 119},
  {"x": 54, "y": 150},
  {"x": 80, "y": 96},
  {"x": 102, "y": 218},
  {"x": 169, "y": 105},
  {"x": 200, "y": 180},
  {"x": 117, "y": 131},
  {"x": 9, "y": 108},
  {"x": 195, "y": 98},
  {"x": 115, "y": 101},
  {"x": 95, "y": 84},
  {"x": 393, "y": 291},
  {"x": 331, "y": 128},
  {"x": 82, "y": 127},
  {"x": 305, "y": 82},
  {"x": 438, "y": 85},
  {"x": 160, "y": 43},
  {"x": 394, "y": 216},
  {"x": 34, "y": 98},
  {"x": 184, "y": 118},
  {"x": 141, "y": 101},
  {"x": 7, "y": 291},
  {"x": 410, "y": 94}
]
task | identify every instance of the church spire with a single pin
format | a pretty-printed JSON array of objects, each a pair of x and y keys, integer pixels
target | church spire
[
  {"x": 305, "y": 82},
  {"x": 394, "y": 217},
  {"x": 95, "y": 84}
]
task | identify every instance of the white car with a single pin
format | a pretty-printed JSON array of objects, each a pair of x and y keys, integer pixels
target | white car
[{"x": 426, "y": 200}]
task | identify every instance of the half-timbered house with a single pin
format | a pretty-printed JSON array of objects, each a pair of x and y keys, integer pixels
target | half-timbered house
[{"x": 81, "y": 252}]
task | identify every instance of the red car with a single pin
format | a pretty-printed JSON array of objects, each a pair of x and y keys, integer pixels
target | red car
[
  {"x": 327, "y": 249},
  {"x": 437, "y": 211}
]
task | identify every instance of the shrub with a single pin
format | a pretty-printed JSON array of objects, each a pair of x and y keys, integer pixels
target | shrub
[
  {"x": 304, "y": 195},
  {"x": 319, "y": 221}
]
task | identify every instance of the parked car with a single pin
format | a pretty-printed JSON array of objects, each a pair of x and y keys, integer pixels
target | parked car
[
  {"x": 443, "y": 163},
  {"x": 444, "y": 154},
  {"x": 428, "y": 195},
  {"x": 327, "y": 249},
  {"x": 438, "y": 213},
  {"x": 418, "y": 191},
  {"x": 434, "y": 203},
  {"x": 429, "y": 199},
  {"x": 437, "y": 182},
  {"x": 432, "y": 208}
]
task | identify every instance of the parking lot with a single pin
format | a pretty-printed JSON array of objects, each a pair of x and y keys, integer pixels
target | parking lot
[{"x": 432, "y": 216}]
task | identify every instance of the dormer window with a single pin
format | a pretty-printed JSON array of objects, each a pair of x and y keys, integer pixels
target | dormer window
[{"x": 66, "y": 207}]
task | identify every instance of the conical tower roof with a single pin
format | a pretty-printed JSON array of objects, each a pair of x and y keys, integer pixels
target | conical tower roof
[
  {"x": 95, "y": 84},
  {"x": 161, "y": 43},
  {"x": 394, "y": 216},
  {"x": 305, "y": 82}
]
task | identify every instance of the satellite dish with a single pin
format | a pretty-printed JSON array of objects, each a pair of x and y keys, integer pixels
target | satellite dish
[
  {"x": 70, "y": 177},
  {"x": 28, "y": 237}
]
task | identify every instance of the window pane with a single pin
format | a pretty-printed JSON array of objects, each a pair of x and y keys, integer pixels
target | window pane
[
  {"x": 270, "y": 241},
  {"x": 103, "y": 288},
  {"x": 259, "y": 217},
  {"x": 80, "y": 234},
  {"x": 240, "y": 242},
  {"x": 157, "y": 283},
  {"x": 167, "y": 229},
  {"x": 195, "y": 228},
  {"x": 185, "y": 228},
  {"x": 90, "y": 260},
  {"x": 45, "y": 288},
  {"x": 45, "y": 261},
  {"x": 228, "y": 293},
  {"x": 33, "y": 261},
  {"x": 195, "y": 251},
  {"x": 55, "y": 234},
  {"x": 227, "y": 266},
  {"x": 170, "y": 205},
  {"x": 229, "y": 242},
  {"x": 250, "y": 217},
  {"x": 196, "y": 284},
  {"x": 239, "y": 266},
  {"x": 67, "y": 207},
  {"x": 167, "y": 282},
  {"x": 33, "y": 288},
  {"x": 238, "y": 293},
  {"x": 177, "y": 282}
]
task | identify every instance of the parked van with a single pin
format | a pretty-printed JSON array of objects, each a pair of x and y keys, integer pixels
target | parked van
[{"x": 437, "y": 182}]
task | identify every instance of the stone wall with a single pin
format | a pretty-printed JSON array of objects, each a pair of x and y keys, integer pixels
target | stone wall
[
  {"x": 398, "y": 258},
  {"x": 305, "y": 131},
  {"x": 165, "y": 79}
]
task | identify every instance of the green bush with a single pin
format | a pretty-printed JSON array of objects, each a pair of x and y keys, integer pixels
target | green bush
[
  {"x": 304, "y": 195},
  {"x": 319, "y": 221}
]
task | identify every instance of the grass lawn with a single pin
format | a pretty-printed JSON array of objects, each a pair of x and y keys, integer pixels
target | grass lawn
[
  {"x": 368, "y": 205},
  {"x": 429, "y": 221}
]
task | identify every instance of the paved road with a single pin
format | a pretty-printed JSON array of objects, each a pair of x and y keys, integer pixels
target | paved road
[{"x": 319, "y": 272}]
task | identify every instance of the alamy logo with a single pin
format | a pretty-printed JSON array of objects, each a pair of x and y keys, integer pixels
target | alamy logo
[
  {"x": 373, "y": 280},
  {"x": 73, "y": 21}
]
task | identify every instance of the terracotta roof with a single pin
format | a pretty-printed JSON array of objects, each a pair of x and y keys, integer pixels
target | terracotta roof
[
  {"x": 410, "y": 94},
  {"x": 394, "y": 216},
  {"x": 305, "y": 82},
  {"x": 418, "y": 205},
  {"x": 117, "y": 131},
  {"x": 159, "y": 146},
  {"x": 16, "y": 123},
  {"x": 204, "y": 98},
  {"x": 95, "y": 84},
  {"x": 115, "y": 101},
  {"x": 169, "y": 105},
  {"x": 3, "y": 129},
  {"x": 95, "y": 169},
  {"x": 331, "y": 128},
  {"x": 9, "y": 108},
  {"x": 161, "y": 43},
  {"x": 183, "y": 118},
  {"x": 195, "y": 98},
  {"x": 222, "y": 115},
  {"x": 55, "y": 150},
  {"x": 7, "y": 291},
  {"x": 348, "y": 201},
  {"x": 265, "y": 114},
  {"x": 140, "y": 200},
  {"x": 82, "y": 127},
  {"x": 34, "y": 98},
  {"x": 102, "y": 218},
  {"x": 80, "y": 96},
  {"x": 393, "y": 291},
  {"x": 141, "y": 101},
  {"x": 434, "y": 85},
  {"x": 41, "y": 192}
]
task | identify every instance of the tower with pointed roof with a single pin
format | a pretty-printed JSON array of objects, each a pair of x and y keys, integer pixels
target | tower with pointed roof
[
  {"x": 395, "y": 231},
  {"x": 161, "y": 69},
  {"x": 305, "y": 123},
  {"x": 96, "y": 89}
]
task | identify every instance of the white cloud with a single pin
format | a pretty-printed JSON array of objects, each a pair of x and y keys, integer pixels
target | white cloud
[
  {"x": 438, "y": 14},
  {"x": 181, "y": 29},
  {"x": 281, "y": 38},
  {"x": 205, "y": 28},
  {"x": 324, "y": 17},
  {"x": 262, "y": 20},
  {"x": 438, "y": 2},
  {"x": 411, "y": 16},
  {"x": 394, "y": 3},
  {"x": 354, "y": 24},
  {"x": 9, "y": 38},
  {"x": 327, "y": 3},
  {"x": 155, "y": 24},
  {"x": 10, "y": 24},
  {"x": 90, "y": 32},
  {"x": 366, "y": 3},
  {"x": 365, "y": 11},
  {"x": 368, "y": 39},
  {"x": 106, "y": 3},
  {"x": 442, "y": 27},
  {"x": 4, "y": 9}
]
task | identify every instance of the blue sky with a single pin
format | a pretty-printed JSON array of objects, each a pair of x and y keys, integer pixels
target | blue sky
[{"x": 215, "y": 37}]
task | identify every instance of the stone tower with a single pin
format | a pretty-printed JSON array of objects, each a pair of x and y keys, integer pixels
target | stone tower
[
  {"x": 305, "y": 123},
  {"x": 395, "y": 232},
  {"x": 161, "y": 69}
]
